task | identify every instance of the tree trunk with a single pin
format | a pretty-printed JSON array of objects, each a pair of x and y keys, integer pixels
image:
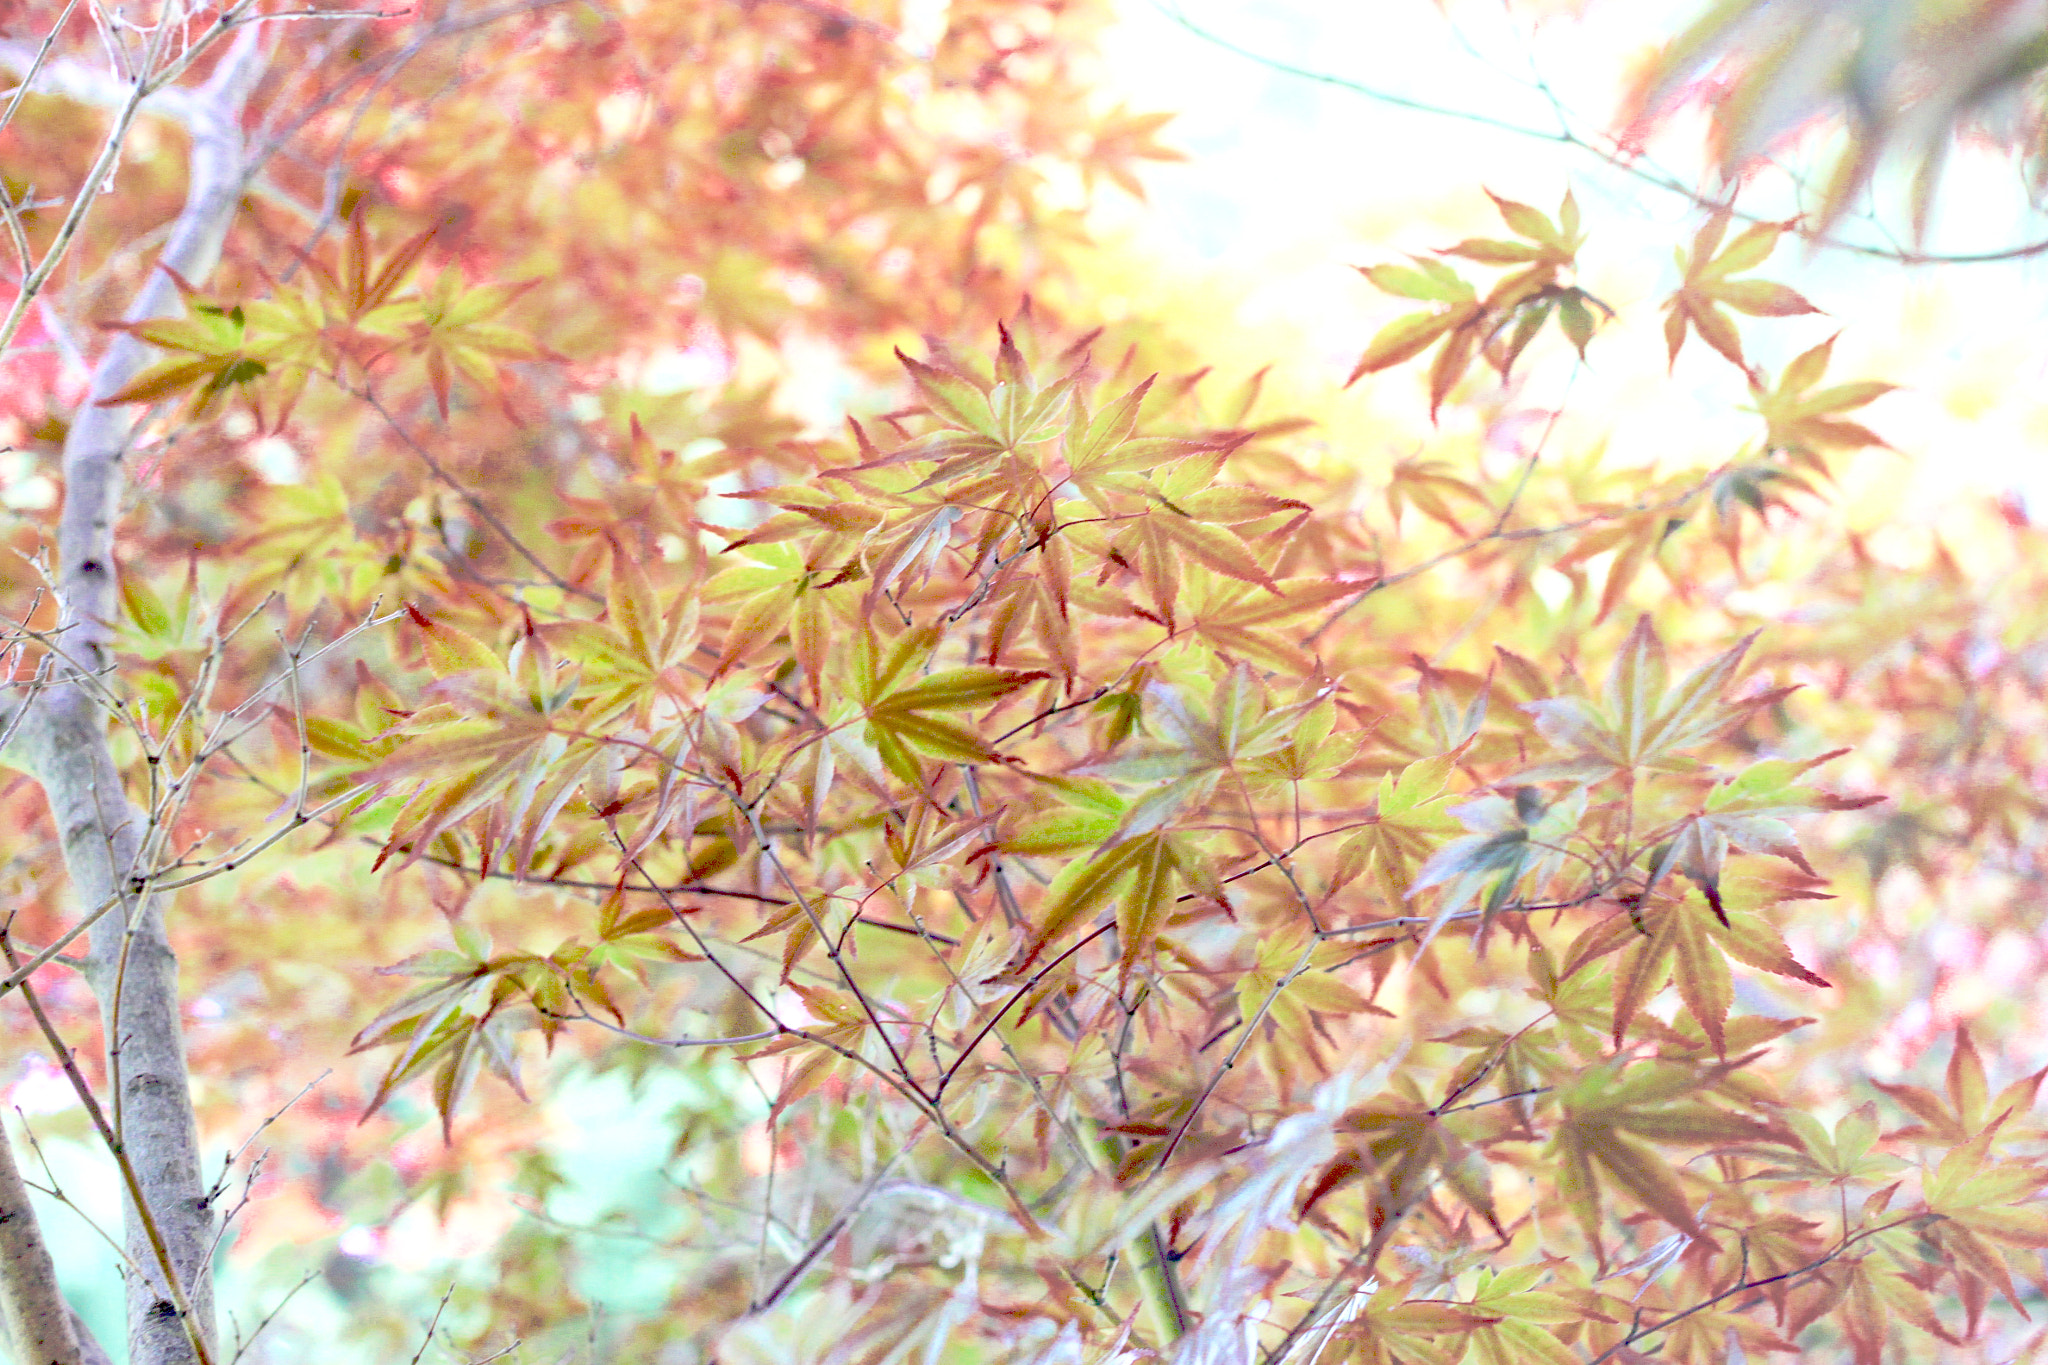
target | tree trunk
[
  {"x": 63, "y": 742},
  {"x": 38, "y": 1319}
]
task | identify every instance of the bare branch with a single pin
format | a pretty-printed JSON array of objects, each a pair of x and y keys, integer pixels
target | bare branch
[{"x": 1564, "y": 135}]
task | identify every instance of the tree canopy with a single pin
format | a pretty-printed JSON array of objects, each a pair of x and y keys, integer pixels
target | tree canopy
[{"x": 644, "y": 733}]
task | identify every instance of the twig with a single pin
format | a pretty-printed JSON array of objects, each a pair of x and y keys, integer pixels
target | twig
[
  {"x": 1639, "y": 1332},
  {"x": 35, "y": 67},
  {"x": 432, "y": 1323},
  {"x": 242, "y": 1344},
  {"x": 1251, "y": 1028},
  {"x": 824, "y": 1240},
  {"x": 476, "y": 504},
  {"x": 1564, "y": 136},
  {"x": 1021, "y": 992},
  {"x": 1525, "y": 533}
]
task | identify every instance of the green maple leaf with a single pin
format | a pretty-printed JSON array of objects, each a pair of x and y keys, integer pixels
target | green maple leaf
[{"x": 219, "y": 358}]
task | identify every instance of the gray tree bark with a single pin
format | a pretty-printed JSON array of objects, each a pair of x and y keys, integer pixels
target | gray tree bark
[
  {"x": 38, "y": 1319},
  {"x": 62, "y": 741}
]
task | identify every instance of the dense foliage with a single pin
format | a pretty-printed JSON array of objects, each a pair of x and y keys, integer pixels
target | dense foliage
[{"x": 1050, "y": 866}]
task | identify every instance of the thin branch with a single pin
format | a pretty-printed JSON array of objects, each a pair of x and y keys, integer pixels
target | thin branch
[
  {"x": 824, "y": 1240},
  {"x": 1466, "y": 547},
  {"x": 1639, "y": 1332},
  {"x": 1021, "y": 992},
  {"x": 242, "y": 1344},
  {"x": 434, "y": 1322},
  {"x": 204, "y": 107},
  {"x": 1613, "y": 158},
  {"x": 1244, "y": 1039},
  {"x": 925, "y": 1105},
  {"x": 228, "y": 1165},
  {"x": 476, "y": 504},
  {"x": 584, "y": 1016},
  {"x": 825, "y": 939},
  {"x": 35, "y": 66}
]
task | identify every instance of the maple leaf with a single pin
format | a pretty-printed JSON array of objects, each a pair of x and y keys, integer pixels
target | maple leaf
[
  {"x": 1408, "y": 813},
  {"x": 1747, "y": 811},
  {"x": 1608, "y": 1119},
  {"x": 1006, "y": 415},
  {"x": 1776, "y": 1245},
  {"x": 1159, "y": 541},
  {"x": 1424, "y": 485},
  {"x": 1232, "y": 505},
  {"x": 1909, "y": 82},
  {"x": 1139, "y": 875},
  {"x": 1754, "y": 484},
  {"x": 451, "y": 651},
  {"x": 1634, "y": 541},
  {"x": 1799, "y": 418},
  {"x": 633, "y": 659},
  {"x": 1089, "y": 818},
  {"x": 1183, "y": 525},
  {"x": 1522, "y": 1319},
  {"x": 1240, "y": 620},
  {"x": 1391, "y": 1329},
  {"x": 1708, "y": 288},
  {"x": 1290, "y": 983},
  {"x": 1876, "y": 1291},
  {"x": 824, "y": 1052},
  {"x": 904, "y": 721},
  {"x": 1718, "y": 1334},
  {"x": 1122, "y": 137},
  {"x": 1983, "y": 1202},
  {"x": 1313, "y": 750},
  {"x": 1102, "y": 456},
  {"x": 1687, "y": 942},
  {"x": 221, "y": 357},
  {"x": 1652, "y": 1262},
  {"x": 1546, "y": 242},
  {"x": 1197, "y": 747},
  {"x": 1413, "y": 333},
  {"x": 1511, "y": 844},
  {"x": 449, "y": 327},
  {"x": 776, "y": 591},
  {"x": 1836, "y": 1157},
  {"x": 318, "y": 328},
  {"x": 1641, "y": 721},
  {"x": 1453, "y": 704},
  {"x": 1970, "y": 1107},
  {"x": 1575, "y": 1003},
  {"x": 1500, "y": 325},
  {"x": 363, "y": 283},
  {"x": 453, "y": 1028},
  {"x": 299, "y": 339}
]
